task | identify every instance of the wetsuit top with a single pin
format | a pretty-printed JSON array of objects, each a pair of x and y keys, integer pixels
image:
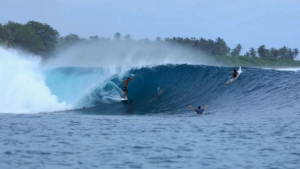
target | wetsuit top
[
  {"x": 199, "y": 111},
  {"x": 235, "y": 74}
]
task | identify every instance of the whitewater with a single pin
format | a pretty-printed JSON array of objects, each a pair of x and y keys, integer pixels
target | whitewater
[{"x": 67, "y": 112}]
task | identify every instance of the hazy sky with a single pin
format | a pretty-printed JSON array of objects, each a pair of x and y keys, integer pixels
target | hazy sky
[{"x": 274, "y": 23}]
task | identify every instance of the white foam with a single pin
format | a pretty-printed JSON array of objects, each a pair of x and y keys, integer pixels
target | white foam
[
  {"x": 22, "y": 85},
  {"x": 289, "y": 69}
]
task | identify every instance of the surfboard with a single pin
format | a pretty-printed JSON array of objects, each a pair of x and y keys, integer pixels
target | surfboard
[
  {"x": 124, "y": 99},
  {"x": 234, "y": 79}
]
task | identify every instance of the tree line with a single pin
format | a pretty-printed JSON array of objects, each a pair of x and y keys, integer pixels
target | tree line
[
  {"x": 42, "y": 39},
  {"x": 35, "y": 37}
]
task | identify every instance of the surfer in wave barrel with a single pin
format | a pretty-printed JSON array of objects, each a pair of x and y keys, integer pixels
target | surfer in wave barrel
[
  {"x": 125, "y": 86},
  {"x": 199, "y": 111}
]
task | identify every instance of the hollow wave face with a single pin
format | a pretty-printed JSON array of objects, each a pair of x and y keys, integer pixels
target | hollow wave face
[
  {"x": 171, "y": 88},
  {"x": 157, "y": 87}
]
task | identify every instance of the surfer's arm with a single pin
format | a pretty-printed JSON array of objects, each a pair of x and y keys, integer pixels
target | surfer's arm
[
  {"x": 191, "y": 107},
  {"x": 132, "y": 77},
  {"x": 205, "y": 107}
]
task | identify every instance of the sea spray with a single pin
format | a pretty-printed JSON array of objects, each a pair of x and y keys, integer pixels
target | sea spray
[{"x": 22, "y": 86}]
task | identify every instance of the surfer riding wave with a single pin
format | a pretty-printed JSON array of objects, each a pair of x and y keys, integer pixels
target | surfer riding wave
[{"x": 125, "y": 86}]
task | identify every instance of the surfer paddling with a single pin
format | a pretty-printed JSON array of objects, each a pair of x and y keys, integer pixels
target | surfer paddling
[
  {"x": 233, "y": 77},
  {"x": 235, "y": 74},
  {"x": 125, "y": 86},
  {"x": 199, "y": 110}
]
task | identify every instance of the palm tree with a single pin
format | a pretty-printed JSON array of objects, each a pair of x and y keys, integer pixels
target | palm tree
[
  {"x": 247, "y": 54},
  {"x": 168, "y": 40},
  {"x": 220, "y": 47},
  {"x": 237, "y": 50},
  {"x": 203, "y": 45},
  {"x": 252, "y": 52},
  {"x": 261, "y": 51},
  {"x": 283, "y": 52},
  {"x": 188, "y": 41},
  {"x": 117, "y": 36},
  {"x": 239, "y": 47},
  {"x": 158, "y": 39},
  {"x": 296, "y": 53},
  {"x": 127, "y": 37},
  {"x": 274, "y": 53},
  {"x": 210, "y": 46},
  {"x": 290, "y": 54}
]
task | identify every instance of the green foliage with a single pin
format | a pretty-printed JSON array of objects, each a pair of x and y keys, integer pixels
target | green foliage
[
  {"x": 220, "y": 47},
  {"x": 237, "y": 50},
  {"x": 47, "y": 34},
  {"x": 6, "y": 37},
  {"x": 72, "y": 39},
  {"x": 25, "y": 37},
  {"x": 42, "y": 39},
  {"x": 252, "y": 52},
  {"x": 33, "y": 36},
  {"x": 254, "y": 62},
  {"x": 262, "y": 51},
  {"x": 296, "y": 52}
]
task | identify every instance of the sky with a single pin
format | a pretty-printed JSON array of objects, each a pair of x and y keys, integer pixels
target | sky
[{"x": 274, "y": 23}]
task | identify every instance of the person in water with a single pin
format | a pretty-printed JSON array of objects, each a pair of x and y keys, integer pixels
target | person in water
[
  {"x": 125, "y": 86},
  {"x": 235, "y": 74},
  {"x": 199, "y": 111}
]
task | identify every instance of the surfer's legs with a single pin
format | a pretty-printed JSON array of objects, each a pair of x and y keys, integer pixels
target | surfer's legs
[
  {"x": 124, "y": 95},
  {"x": 125, "y": 92}
]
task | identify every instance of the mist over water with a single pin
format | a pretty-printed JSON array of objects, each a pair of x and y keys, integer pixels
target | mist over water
[{"x": 125, "y": 55}]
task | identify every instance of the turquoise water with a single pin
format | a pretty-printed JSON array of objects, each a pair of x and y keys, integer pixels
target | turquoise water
[{"x": 252, "y": 123}]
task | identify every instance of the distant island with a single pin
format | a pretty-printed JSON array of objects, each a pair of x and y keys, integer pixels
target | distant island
[{"x": 41, "y": 39}]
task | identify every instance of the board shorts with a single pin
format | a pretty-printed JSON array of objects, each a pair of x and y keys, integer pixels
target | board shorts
[{"x": 125, "y": 89}]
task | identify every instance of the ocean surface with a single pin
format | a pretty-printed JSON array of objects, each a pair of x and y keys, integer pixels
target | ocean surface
[{"x": 73, "y": 117}]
